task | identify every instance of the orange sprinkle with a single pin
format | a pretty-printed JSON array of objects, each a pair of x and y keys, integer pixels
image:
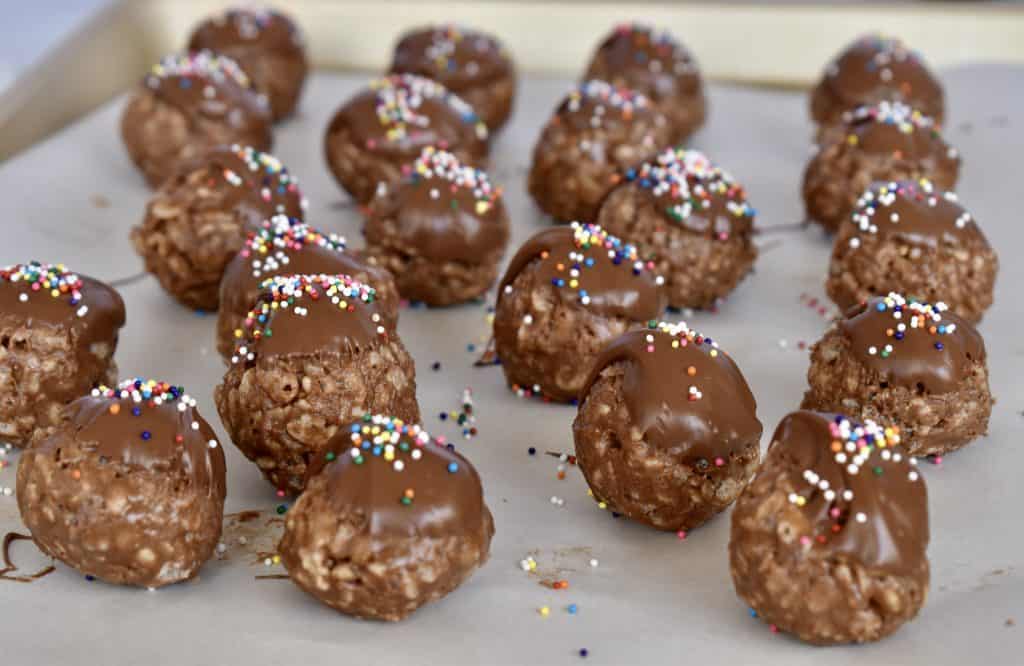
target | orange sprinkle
[
  {"x": 76, "y": 475},
  {"x": 115, "y": 408},
  {"x": 691, "y": 371}
]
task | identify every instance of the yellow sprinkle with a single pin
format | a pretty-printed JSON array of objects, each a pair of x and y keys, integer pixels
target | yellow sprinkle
[{"x": 544, "y": 611}]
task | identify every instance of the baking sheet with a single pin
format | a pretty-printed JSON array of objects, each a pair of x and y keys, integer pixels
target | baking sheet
[{"x": 654, "y": 598}]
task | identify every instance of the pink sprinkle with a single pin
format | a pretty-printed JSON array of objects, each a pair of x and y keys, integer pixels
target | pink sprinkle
[
  {"x": 936, "y": 460},
  {"x": 772, "y": 628},
  {"x": 650, "y": 348},
  {"x": 681, "y": 534},
  {"x": 805, "y": 541},
  {"x": 719, "y": 462},
  {"x": 834, "y": 512}
]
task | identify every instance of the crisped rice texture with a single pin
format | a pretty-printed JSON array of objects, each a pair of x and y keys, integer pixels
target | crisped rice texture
[
  {"x": 280, "y": 411},
  {"x": 660, "y": 487},
  {"x": 438, "y": 283},
  {"x": 929, "y": 423}
]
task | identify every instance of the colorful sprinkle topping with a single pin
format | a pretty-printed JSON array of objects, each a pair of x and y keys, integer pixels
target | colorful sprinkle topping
[
  {"x": 445, "y": 42},
  {"x": 874, "y": 203},
  {"x": 887, "y": 51},
  {"x": 273, "y": 177},
  {"x": 197, "y": 65},
  {"x": 605, "y": 95},
  {"x": 910, "y": 313},
  {"x": 268, "y": 248},
  {"x": 442, "y": 165},
  {"x": 52, "y": 279},
  {"x": 149, "y": 393},
  {"x": 400, "y": 98},
  {"x": 898, "y": 114},
  {"x": 653, "y": 47}
]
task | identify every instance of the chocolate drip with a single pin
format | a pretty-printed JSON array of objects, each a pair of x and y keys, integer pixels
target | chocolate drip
[{"x": 916, "y": 212}]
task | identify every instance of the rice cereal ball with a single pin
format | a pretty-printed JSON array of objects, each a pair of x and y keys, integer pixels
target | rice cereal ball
[
  {"x": 58, "y": 333},
  {"x": 872, "y": 69},
  {"x": 909, "y": 363},
  {"x": 283, "y": 248},
  {"x": 474, "y": 65},
  {"x": 912, "y": 237},
  {"x": 667, "y": 431},
  {"x": 316, "y": 355},
  {"x": 129, "y": 488},
  {"x": 887, "y": 142},
  {"x": 197, "y": 221},
  {"x": 390, "y": 520},
  {"x": 828, "y": 541},
  {"x": 267, "y": 45},
  {"x": 385, "y": 127},
  {"x": 654, "y": 63},
  {"x": 188, "y": 104},
  {"x": 596, "y": 133},
  {"x": 441, "y": 231},
  {"x": 692, "y": 218},
  {"x": 567, "y": 293}
]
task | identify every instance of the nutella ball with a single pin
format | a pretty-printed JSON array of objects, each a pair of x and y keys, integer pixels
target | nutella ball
[
  {"x": 441, "y": 230},
  {"x": 912, "y": 237},
  {"x": 58, "y": 333},
  {"x": 654, "y": 63},
  {"x": 872, "y": 69},
  {"x": 390, "y": 520},
  {"x": 474, "y": 65},
  {"x": 267, "y": 45},
  {"x": 828, "y": 541},
  {"x": 385, "y": 127},
  {"x": 889, "y": 141},
  {"x": 567, "y": 293},
  {"x": 667, "y": 431},
  {"x": 909, "y": 363},
  {"x": 281, "y": 247},
  {"x": 315, "y": 355},
  {"x": 197, "y": 221},
  {"x": 596, "y": 133},
  {"x": 188, "y": 104},
  {"x": 129, "y": 488},
  {"x": 692, "y": 218}
]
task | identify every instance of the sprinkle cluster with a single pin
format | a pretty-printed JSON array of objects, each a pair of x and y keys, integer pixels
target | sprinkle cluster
[
  {"x": 444, "y": 43},
  {"x": 872, "y": 204},
  {"x": 400, "y": 97},
  {"x": 52, "y": 279},
  {"x": 435, "y": 164},
  {"x": 197, "y": 65},
  {"x": 913, "y": 314},
  {"x": 887, "y": 51},
  {"x": 682, "y": 336},
  {"x": 653, "y": 47},
  {"x": 268, "y": 248},
  {"x": 152, "y": 393},
  {"x": 886, "y": 112},
  {"x": 268, "y": 169},
  {"x": 605, "y": 96}
]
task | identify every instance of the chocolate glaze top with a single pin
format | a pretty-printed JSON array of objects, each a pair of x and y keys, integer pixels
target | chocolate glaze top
[
  {"x": 310, "y": 314},
  {"x": 405, "y": 483},
  {"x": 249, "y": 30},
  {"x": 683, "y": 393},
  {"x": 861, "y": 493},
  {"x": 399, "y": 115},
  {"x": 911, "y": 343},
  {"x": 209, "y": 86},
  {"x": 646, "y": 59},
  {"x": 590, "y": 268},
  {"x": 915, "y": 212},
  {"x": 598, "y": 104},
  {"x": 893, "y": 128},
  {"x": 457, "y": 57},
  {"x": 443, "y": 209}
]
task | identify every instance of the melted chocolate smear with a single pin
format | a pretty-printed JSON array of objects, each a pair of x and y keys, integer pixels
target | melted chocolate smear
[
  {"x": 272, "y": 577},
  {"x": 10, "y": 566}
]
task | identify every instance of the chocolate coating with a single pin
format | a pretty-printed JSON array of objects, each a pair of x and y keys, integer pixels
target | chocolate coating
[{"x": 266, "y": 44}]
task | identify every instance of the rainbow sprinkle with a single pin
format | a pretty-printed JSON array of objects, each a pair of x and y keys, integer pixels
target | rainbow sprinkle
[
  {"x": 267, "y": 168},
  {"x": 663, "y": 45},
  {"x": 886, "y": 112},
  {"x": 52, "y": 279},
  {"x": 197, "y": 65},
  {"x": 605, "y": 95},
  {"x": 267, "y": 249},
  {"x": 910, "y": 313},
  {"x": 442, "y": 165},
  {"x": 873, "y": 203},
  {"x": 399, "y": 98}
]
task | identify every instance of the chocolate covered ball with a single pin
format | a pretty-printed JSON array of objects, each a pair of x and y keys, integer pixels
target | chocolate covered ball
[
  {"x": 886, "y": 142},
  {"x": 596, "y": 133},
  {"x": 906, "y": 362},
  {"x": 441, "y": 230},
  {"x": 913, "y": 237},
  {"x": 872, "y": 69},
  {"x": 129, "y": 488},
  {"x": 315, "y": 355},
  {"x": 654, "y": 63},
  {"x": 197, "y": 221},
  {"x": 58, "y": 333},
  {"x": 188, "y": 104},
  {"x": 383, "y": 129},
  {"x": 567, "y": 293},
  {"x": 390, "y": 520},
  {"x": 667, "y": 431},
  {"x": 474, "y": 65},
  {"x": 281, "y": 247},
  {"x": 267, "y": 45},
  {"x": 692, "y": 218},
  {"x": 828, "y": 541}
]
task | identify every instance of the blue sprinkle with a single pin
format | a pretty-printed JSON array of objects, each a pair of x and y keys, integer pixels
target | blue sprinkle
[
  {"x": 453, "y": 467},
  {"x": 146, "y": 435}
]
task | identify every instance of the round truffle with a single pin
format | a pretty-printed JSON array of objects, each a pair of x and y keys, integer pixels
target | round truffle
[
  {"x": 188, "y": 104},
  {"x": 692, "y": 218},
  {"x": 129, "y": 488},
  {"x": 58, "y": 333},
  {"x": 568, "y": 292},
  {"x": 197, "y": 221},
  {"x": 267, "y": 45},
  {"x": 872, "y": 69},
  {"x": 909, "y": 363},
  {"x": 912, "y": 237},
  {"x": 390, "y": 520},
  {"x": 654, "y": 63},
  {"x": 667, "y": 431},
  {"x": 828, "y": 541},
  {"x": 596, "y": 133},
  {"x": 316, "y": 354},
  {"x": 441, "y": 230},
  {"x": 281, "y": 247},
  {"x": 886, "y": 142},
  {"x": 474, "y": 65},
  {"x": 385, "y": 127}
]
